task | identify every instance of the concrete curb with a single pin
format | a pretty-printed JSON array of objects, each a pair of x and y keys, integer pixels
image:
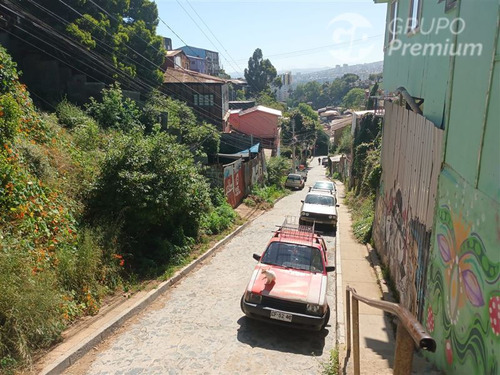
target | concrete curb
[{"x": 78, "y": 351}]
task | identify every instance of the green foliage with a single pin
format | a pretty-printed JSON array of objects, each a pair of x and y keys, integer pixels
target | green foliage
[
  {"x": 308, "y": 112},
  {"x": 362, "y": 210},
  {"x": 129, "y": 26},
  {"x": 277, "y": 170},
  {"x": 46, "y": 266},
  {"x": 114, "y": 111},
  {"x": 300, "y": 131},
  {"x": 354, "y": 99},
  {"x": 70, "y": 115},
  {"x": 151, "y": 185},
  {"x": 219, "y": 219},
  {"x": 332, "y": 366},
  {"x": 265, "y": 196},
  {"x": 9, "y": 117},
  {"x": 345, "y": 142},
  {"x": 202, "y": 138},
  {"x": 260, "y": 73},
  {"x": 265, "y": 98},
  {"x": 326, "y": 94},
  {"x": 29, "y": 305}
]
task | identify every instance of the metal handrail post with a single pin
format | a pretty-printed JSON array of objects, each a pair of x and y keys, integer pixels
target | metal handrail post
[
  {"x": 355, "y": 335},
  {"x": 403, "y": 356},
  {"x": 348, "y": 318}
]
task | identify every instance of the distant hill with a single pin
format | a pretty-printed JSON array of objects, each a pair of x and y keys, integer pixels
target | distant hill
[{"x": 328, "y": 75}]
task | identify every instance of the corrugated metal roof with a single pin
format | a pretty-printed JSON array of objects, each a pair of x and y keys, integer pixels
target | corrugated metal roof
[
  {"x": 179, "y": 75},
  {"x": 261, "y": 108}
]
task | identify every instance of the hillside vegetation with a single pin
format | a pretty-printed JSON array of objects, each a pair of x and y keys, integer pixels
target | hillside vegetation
[{"x": 91, "y": 199}]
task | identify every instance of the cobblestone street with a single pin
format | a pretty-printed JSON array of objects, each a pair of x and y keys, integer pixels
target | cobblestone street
[{"x": 197, "y": 326}]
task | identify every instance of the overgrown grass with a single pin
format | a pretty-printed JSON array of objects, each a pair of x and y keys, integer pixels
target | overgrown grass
[
  {"x": 362, "y": 211},
  {"x": 332, "y": 366},
  {"x": 265, "y": 197}
]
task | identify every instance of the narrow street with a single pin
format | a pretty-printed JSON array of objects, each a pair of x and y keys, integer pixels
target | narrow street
[{"x": 197, "y": 327}]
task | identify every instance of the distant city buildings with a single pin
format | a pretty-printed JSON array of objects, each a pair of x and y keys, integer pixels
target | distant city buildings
[{"x": 283, "y": 93}]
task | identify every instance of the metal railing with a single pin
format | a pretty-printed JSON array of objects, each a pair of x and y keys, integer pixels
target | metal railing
[{"x": 409, "y": 332}]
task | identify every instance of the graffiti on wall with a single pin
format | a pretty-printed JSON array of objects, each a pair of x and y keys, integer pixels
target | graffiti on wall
[
  {"x": 411, "y": 160},
  {"x": 463, "y": 294},
  {"x": 406, "y": 242}
]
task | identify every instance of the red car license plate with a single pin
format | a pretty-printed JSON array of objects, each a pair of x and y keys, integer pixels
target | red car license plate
[{"x": 278, "y": 315}]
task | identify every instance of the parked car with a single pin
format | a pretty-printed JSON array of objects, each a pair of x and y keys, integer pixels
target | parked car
[
  {"x": 324, "y": 162},
  {"x": 303, "y": 173},
  {"x": 327, "y": 186},
  {"x": 288, "y": 285},
  {"x": 319, "y": 207},
  {"x": 294, "y": 181}
]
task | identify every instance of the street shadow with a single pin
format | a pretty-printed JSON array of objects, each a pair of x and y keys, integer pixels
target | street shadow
[
  {"x": 281, "y": 338},
  {"x": 324, "y": 230}
]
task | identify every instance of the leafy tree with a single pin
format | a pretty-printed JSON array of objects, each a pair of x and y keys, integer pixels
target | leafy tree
[
  {"x": 354, "y": 99},
  {"x": 123, "y": 32},
  {"x": 260, "y": 73},
  {"x": 265, "y": 98},
  {"x": 323, "y": 95}
]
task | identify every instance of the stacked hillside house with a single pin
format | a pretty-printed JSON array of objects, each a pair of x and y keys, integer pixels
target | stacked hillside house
[{"x": 437, "y": 220}]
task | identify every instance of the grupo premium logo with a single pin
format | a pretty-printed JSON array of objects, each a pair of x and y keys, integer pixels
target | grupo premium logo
[
  {"x": 442, "y": 41},
  {"x": 349, "y": 29}
]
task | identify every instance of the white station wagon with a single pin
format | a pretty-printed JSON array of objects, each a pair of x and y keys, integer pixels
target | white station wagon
[{"x": 319, "y": 207}]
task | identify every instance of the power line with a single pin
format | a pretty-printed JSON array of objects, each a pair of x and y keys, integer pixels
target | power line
[
  {"x": 201, "y": 111},
  {"x": 197, "y": 25},
  {"x": 319, "y": 49},
  {"x": 208, "y": 28}
]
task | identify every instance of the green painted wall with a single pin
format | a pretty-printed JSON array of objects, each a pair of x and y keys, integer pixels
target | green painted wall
[
  {"x": 471, "y": 82},
  {"x": 462, "y": 310},
  {"x": 424, "y": 76},
  {"x": 462, "y": 291}
]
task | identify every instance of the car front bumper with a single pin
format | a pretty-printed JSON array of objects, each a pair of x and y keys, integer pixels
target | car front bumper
[
  {"x": 259, "y": 312},
  {"x": 324, "y": 220}
]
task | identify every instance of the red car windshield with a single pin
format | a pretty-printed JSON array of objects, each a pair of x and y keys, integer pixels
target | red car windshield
[{"x": 290, "y": 255}]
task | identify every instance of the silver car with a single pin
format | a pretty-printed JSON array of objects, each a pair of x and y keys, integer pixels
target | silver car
[
  {"x": 294, "y": 181},
  {"x": 326, "y": 186},
  {"x": 319, "y": 207}
]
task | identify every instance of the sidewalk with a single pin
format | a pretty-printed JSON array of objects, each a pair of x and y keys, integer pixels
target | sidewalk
[{"x": 377, "y": 336}]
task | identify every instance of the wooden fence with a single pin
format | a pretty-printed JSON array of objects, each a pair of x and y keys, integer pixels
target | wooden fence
[{"x": 404, "y": 214}]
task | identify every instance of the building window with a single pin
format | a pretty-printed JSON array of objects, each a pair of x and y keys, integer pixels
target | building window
[
  {"x": 415, "y": 15},
  {"x": 393, "y": 24},
  {"x": 203, "y": 100}
]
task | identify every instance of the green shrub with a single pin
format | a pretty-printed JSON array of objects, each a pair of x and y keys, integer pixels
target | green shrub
[
  {"x": 115, "y": 111},
  {"x": 362, "y": 210},
  {"x": 151, "y": 185},
  {"x": 220, "y": 219},
  {"x": 30, "y": 313},
  {"x": 35, "y": 158},
  {"x": 70, "y": 115},
  {"x": 277, "y": 168}
]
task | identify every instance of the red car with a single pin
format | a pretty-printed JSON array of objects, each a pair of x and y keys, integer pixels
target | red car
[{"x": 289, "y": 284}]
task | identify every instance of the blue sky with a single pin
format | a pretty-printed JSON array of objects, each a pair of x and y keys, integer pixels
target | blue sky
[{"x": 292, "y": 34}]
